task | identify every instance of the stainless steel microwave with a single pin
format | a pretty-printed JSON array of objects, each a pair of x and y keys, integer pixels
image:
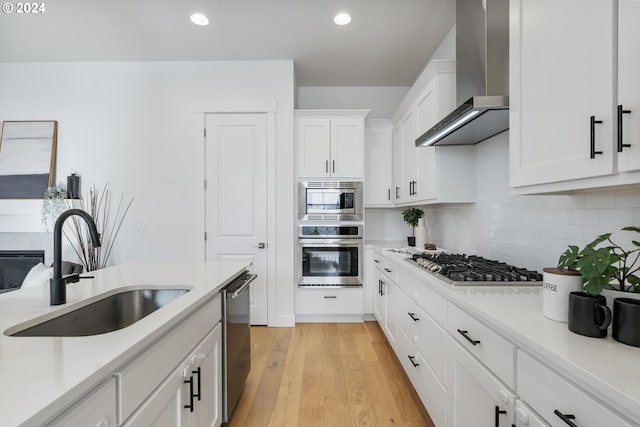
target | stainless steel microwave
[{"x": 330, "y": 201}]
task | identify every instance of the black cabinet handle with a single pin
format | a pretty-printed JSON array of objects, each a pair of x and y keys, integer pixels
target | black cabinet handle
[
  {"x": 566, "y": 418},
  {"x": 397, "y": 189},
  {"x": 593, "y": 151},
  {"x": 387, "y": 270},
  {"x": 377, "y": 261},
  {"x": 381, "y": 286},
  {"x": 621, "y": 111},
  {"x": 326, "y": 166},
  {"x": 199, "y": 380},
  {"x": 330, "y": 297},
  {"x": 498, "y": 413},
  {"x": 413, "y": 316},
  {"x": 333, "y": 162},
  {"x": 464, "y": 334},
  {"x": 388, "y": 193},
  {"x": 190, "y": 405},
  {"x": 415, "y": 365}
]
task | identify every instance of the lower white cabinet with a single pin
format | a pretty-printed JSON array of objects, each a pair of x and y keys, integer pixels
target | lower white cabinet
[
  {"x": 330, "y": 305},
  {"x": 97, "y": 409},
  {"x": 192, "y": 394},
  {"x": 385, "y": 305},
  {"x": 557, "y": 400},
  {"x": 475, "y": 396}
]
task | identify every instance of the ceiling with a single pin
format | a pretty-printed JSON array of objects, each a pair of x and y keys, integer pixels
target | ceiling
[{"x": 387, "y": 43}]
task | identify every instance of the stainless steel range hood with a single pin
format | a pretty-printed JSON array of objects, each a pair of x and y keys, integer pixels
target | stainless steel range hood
[{"x": 482, "y": 76}]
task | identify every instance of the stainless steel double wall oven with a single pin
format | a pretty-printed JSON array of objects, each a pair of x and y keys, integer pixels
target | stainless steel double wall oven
[{"x": 330, "y": 234}]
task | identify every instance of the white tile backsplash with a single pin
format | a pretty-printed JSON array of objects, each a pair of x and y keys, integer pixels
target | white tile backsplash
[{"x": 528, "y": 231}]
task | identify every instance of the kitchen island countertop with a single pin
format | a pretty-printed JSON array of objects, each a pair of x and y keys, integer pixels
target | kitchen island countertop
[{"x": 40, "y": 376}]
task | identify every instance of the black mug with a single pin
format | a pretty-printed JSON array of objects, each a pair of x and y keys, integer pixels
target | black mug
[
  {"x": 588, "y": 314},
  {"x": 626, "y": 321}
]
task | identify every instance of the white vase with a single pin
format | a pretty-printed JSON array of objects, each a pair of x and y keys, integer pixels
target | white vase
[{"x": 421, "y": 234}]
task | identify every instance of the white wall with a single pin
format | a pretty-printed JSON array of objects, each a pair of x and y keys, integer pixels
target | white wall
[
  {"x": 382, "y": 101},
  {"x": 528, "y": 231},
  {"x": 138, "y": 126}
]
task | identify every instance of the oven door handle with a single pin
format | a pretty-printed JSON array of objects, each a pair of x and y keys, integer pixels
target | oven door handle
[{"x": 241, "y": 289}]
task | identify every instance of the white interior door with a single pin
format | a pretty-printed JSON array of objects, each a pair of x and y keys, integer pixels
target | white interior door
[{"x": 236, "y": 196}]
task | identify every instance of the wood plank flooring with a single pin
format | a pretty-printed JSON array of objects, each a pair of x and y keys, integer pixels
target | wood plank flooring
[{"x": 326, "y": 375}]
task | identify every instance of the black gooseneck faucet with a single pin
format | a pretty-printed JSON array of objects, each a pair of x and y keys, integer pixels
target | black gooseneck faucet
[{"x": 57, "y": 285}]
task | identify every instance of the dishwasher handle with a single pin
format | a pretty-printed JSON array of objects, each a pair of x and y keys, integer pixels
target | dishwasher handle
[{"x": 243, "y": 285}]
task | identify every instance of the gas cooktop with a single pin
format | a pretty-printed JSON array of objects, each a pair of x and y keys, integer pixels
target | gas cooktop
[{"x": 471, "y": 270}]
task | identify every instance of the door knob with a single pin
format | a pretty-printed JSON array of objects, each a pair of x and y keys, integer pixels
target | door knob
[{"x": 260, "y": 245}]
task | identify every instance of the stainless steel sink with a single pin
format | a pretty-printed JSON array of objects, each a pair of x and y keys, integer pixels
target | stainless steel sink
[{"x": 109, "y": 314}]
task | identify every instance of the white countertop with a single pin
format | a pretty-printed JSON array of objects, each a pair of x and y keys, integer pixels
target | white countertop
[
  {"x": 607, "y": 369},
  {"x": 40, "y": 376}
]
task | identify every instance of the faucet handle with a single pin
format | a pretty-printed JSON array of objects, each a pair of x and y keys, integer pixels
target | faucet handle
[{"x": 71, "y": 278}]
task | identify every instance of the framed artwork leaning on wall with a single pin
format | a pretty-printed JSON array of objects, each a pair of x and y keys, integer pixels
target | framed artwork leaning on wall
[{"x": 27, "y": 158}]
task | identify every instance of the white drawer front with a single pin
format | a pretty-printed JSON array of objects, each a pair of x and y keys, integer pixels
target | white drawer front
[
  {"x": 386, "y": 267},
  {"x": 525, "y": 417},
  {"x": 138, "y": 379},
  {"x": 546, "y": 393},
  {"x": 330, "y": 301},
  {"x": 432, "y": 394},
  {"x": 434, "y": 304},
  {"x": 432, "y": 344},
  {"x": 494, "y": 351},
  {"x": 407, "y": 314}
]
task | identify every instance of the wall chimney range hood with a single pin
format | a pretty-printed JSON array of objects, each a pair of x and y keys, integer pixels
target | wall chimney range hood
[{"x": 482, "y": 76}]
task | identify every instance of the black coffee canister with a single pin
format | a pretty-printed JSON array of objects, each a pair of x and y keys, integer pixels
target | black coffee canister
[
  {"x": 73, "y": 186},
  {"x": 626, "y": 321},
  {"x": 588, "y": 314}
]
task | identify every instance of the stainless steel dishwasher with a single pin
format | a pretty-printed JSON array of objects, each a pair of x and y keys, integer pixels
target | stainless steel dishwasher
[{"x": 236, "y": 341}]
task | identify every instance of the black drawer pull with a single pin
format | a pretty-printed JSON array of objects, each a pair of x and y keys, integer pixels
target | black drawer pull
[
  {"x": 413, "y": 316},
  {"x": 621, "y": 144},
  {"x": 593, "y": 123},
  {"x": 330, "y": 297},
  {"x": 190, "y": 405},
  {"x": 566, "y": 418},
  {"x": 199, "y": 380},
  {"x": 377, "y": 261},
  {"x": 497, "y": 415},
  {"x": 415, "y": 365},
  {"x": 387, "y": 270},
  {"x": 464, "y": 334}
]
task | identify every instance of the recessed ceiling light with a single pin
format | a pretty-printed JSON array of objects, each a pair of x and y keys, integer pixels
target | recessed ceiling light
[
  {"x": 199, "y": 19},
  {"x": 342, "y": 18}
]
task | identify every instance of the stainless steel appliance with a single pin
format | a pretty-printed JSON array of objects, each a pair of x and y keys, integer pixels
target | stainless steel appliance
[
  {"x": 236, "y": 341},
  {"x": 330, "y": 255},
  {"x": 330, "y": 201},
  {"x": 472, "y": 270}
]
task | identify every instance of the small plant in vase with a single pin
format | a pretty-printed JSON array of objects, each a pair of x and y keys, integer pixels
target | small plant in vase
[{"x": 411, "y": 217}]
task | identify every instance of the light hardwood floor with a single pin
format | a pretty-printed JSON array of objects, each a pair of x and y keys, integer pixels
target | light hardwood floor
[{"x": 326, "y": 375}]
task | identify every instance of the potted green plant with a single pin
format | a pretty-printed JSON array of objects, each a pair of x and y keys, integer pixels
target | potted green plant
[
  {"x": 605, "y": 267},
  {"x": 411, "y": 217},
  {"x": 608, "y": 268}
]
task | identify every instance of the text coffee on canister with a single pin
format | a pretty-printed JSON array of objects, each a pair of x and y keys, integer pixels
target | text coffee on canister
[{"x": 557, "y": 284}]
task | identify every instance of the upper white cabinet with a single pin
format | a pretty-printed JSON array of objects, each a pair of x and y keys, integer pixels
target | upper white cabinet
[
  {"x": 563, "y": 104},
  {"x": 425, "y": 175},
  {"x": 378, "y": 189},
  {"x": 330, "y": 143},
  {"x": 628, "y": 108}
]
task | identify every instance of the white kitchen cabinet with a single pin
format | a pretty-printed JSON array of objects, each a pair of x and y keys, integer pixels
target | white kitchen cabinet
[
  {"x": 553, "y": 397},
  {"x": 475, "y": 396},
  {"x": 97, "y": 409},
  {"x": 425, "y": 175},
  {"x": 330, "y": 144},
  {"x": 628, "y": 106},
  {"x": 385, "y": 300},
  {"x": 172, "y": 404},
  {"x": 378, "y": 188},
  {"x": 563, "y": 101},
  {"x": 166, "y": 363},
  {"x": 560, "y": 82},
  {"x": 329, "y": 305}
]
